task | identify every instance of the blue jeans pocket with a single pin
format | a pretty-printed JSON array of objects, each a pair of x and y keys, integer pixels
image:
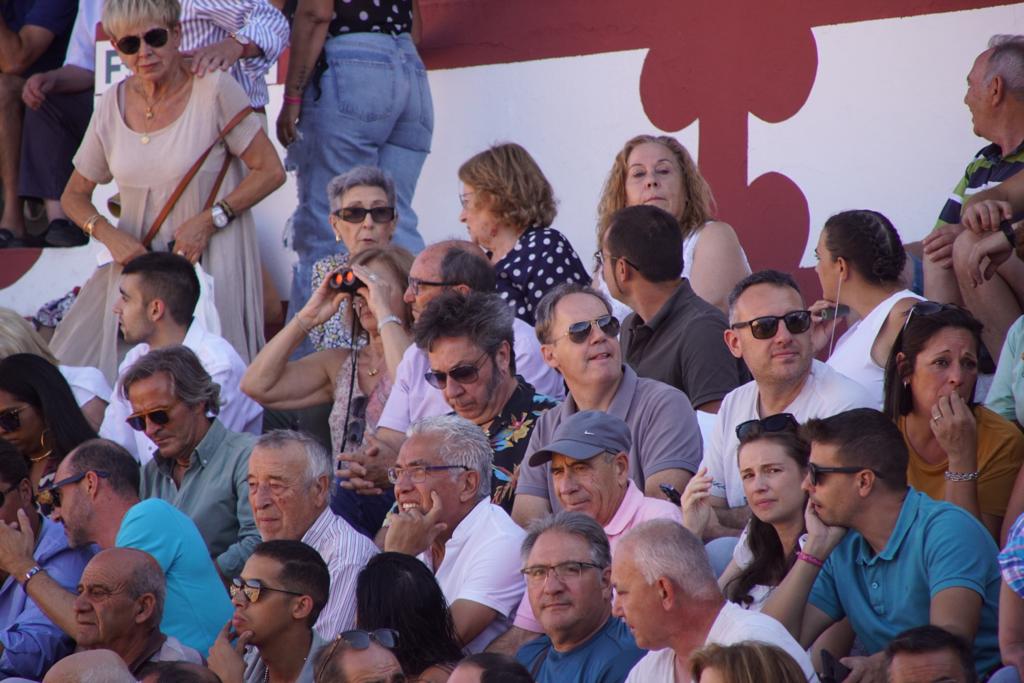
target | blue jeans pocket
[{"x": 363, "y": 89}]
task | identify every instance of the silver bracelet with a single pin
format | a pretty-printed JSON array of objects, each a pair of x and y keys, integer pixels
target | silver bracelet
[
  {"x": 961, "y": 476},
  {"x": 388, "y": 319}
]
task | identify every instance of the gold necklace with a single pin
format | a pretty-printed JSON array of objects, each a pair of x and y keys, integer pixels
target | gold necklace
[
  {"x": 150, "y": 106},
  {"x": 42, "y": 457}
]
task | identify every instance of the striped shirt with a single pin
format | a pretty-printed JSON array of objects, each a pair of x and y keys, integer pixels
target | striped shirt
[
  {"x": 988, "y": 168},
  {"x": 346, "y": 552},
  {"x": 205, "y": 22},
  {"x": 1011, "y": 559}
]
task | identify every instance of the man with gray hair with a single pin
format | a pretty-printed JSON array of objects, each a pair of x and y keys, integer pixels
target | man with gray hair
[
  {"x": 669, "y": 596},
  {"x": 995, "y": 98},
  {"x": 567, "y": 565},
  {"x": 199, "y": 467},
  {"x": 289, "y": 483},
  {"x": 442, "y": 484}
]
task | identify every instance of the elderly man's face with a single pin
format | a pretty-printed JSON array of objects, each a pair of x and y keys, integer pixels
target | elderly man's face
[
  {"x": 451, "y": 485},
  {"x": 104, "y": 611},
  {"x": 594, "y": 487},
  {"x": 284, "y": 500},
  {"x": 975, "y": 99},
  {"x": 571, "y": 608},
  {"x": 597, "y": 360},
  {"x": 474, "y": 400},
  {"x": 638, "y": 603},
  {"x": 375, "y": 664},
  {"x": 926, "y": 667},
  {"x": 186, "y": 425}
]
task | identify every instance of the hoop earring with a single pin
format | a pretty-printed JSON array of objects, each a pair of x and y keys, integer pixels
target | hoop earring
[{"x": 42, "y": 446}]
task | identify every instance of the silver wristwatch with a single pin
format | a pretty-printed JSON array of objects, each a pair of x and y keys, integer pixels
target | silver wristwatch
[{"x": 220, "y": 217}]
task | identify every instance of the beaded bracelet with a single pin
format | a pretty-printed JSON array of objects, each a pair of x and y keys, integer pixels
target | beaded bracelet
[{"x": 960, "y": 476}]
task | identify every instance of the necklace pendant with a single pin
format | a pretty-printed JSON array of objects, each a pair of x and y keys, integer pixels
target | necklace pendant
[
  {"x": 373, "y": 372},
  {"x": 149, "y": 114},
  {"x": 144, "y": 139}
]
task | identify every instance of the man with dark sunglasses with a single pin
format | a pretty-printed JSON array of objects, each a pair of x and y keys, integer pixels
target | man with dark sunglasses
[
  {"x": 673, "y": 335},
  {"x": 159, "y": 293},
  {"x": 882, "y": 555},
  {"x": 30, "y": 642},
  {"x": 578, "y": 337},
  {"x": 277, "y": 599},
  {"x": 770, "y": 329}
]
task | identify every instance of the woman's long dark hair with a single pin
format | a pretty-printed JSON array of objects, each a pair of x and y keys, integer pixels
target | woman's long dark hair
[
  {"x": 36, "y": 381},
  {"x": 770, "y": 562},
  {"x": 397, "y": 591}
]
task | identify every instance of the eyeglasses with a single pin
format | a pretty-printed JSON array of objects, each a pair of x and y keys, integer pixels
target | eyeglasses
[
  {"x": 599, "y": 260},
  {"x": 780, "y": 422},
  {"x": 154, "y": 37},
  {"x": 564, "y": 571},
  {"x": 252, "y": 588},
  {"x": 49, "y": 494},
  {"x": 418, "y": 473},
  {"x": 357, "y": 214},
  {"x": 415, "y": 283},
  {"x": 765, "y": 327},
  {"x": 463, "y": 374},
  {"x": 464, "y": 199},
  {"x": 160, "y": 416},
  {"x": 814, "y": 472},
  {"x": 360, "y": 640},
  {"x": 579, "y": 332},
  {"x": 10, "y": 421}
]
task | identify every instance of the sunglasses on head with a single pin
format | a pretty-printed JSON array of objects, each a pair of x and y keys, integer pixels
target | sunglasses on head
[
  {"x": 359, "y": 639},
  {"x": 48, "y": 496},
  {"x": 463, "y": 374},
  {"x": 579, "y": 333},
  {"x": 154, "y": 37},
  {"x": 814, "y": 472},
  {"x": 252, "y": 588},
  {"x": 160, "y": 416},
  {"x": 765, "y": 327},
  {"x": 10, "y": 421},
  {"x": 357, "y": 214},
  {"x": 926, "y": 308},
  {"x": 780, "y": 422}
]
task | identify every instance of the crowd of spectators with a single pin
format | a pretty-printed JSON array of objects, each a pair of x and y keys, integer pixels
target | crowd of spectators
[{"x": 482, "y": 460}]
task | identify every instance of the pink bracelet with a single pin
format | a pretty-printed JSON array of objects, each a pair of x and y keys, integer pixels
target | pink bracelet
[
  {"x": 810, "y": 559},
  {"x": 292, "y": 100}
]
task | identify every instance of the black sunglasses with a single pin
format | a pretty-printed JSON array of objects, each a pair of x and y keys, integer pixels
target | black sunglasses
[
  {"x": 252, "y": 588},
  {"x": 765, "y": 327},
  {"x": 360, "y": 640},
  {"x": 463, "y": 374},
  {"x": 579, "y": 332},
  {"x": 927, "y": 308},
  {"x": 49, "y": 494},
  {"x": 814, "y": 472},
  {"x": 357, "y": 214},
  {"x": 780, "y": 422},
  {"x": 10, "y": 421},
  {"x": 154, "y": 37},
  {"x": 160, "y": 417}
]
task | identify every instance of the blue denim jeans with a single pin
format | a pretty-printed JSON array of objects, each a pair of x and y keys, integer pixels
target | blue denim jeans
[{"x": 374, "y": 109}]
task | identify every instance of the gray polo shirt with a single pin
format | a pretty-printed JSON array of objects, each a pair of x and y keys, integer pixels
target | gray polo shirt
[
  {"x": 683, "y": 345},
  {"x": 214, "y": 493},
  {"x": 662, "y": 422}
]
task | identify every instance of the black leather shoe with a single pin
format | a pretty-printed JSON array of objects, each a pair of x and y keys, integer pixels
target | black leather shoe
[
  {"x": 8, "y": 240},
  {"x": 64, "y": 233}
]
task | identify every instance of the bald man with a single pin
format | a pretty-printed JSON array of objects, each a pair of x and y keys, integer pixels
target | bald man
[{"x": 91, "y": 665}]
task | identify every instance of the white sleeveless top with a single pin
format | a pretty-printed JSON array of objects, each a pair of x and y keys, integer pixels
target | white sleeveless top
[{"x": 852, "y": 354}]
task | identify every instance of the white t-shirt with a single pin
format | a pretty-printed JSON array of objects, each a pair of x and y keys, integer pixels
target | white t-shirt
[
  {"x": 733, "y": 625},
  {"x": 481, "y": 563},
  {"x": 825, "y": 393},
  {"x": 238, "y": 412},
  {"x": 86, "y": 383},
  {"x": 82, "y": 45},
  {"x": 412, "y": 399}
]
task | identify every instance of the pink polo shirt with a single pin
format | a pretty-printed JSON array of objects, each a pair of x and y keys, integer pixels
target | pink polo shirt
[{"x": 634, "y": 509}]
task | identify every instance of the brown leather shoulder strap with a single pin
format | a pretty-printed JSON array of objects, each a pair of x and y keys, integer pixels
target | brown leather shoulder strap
[{"x": 187, "y": 178}]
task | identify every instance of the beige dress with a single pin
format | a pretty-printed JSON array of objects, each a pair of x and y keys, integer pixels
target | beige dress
[{"x": 146, "y": 176}]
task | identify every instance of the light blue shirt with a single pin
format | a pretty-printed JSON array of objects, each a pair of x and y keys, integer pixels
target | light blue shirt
[
  {"x": 1006, "y": 395},
  {"x": 934, "y": 546},
  {"x": 32, "y": 643},
  {"x": 197, "y": 605},
  {"x": 606, "y": 657}
]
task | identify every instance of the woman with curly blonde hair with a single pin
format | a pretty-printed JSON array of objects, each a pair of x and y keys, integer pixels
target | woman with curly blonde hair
[
  {"x": 746, "y": 662},
  {"x": 508, "y": 207},
  {"x": 657, "y": 170}
]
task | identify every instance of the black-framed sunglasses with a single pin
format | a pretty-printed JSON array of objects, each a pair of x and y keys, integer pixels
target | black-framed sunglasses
[
  {"x": 927, "y": 308},
  {"x": 779, "y": 422},
  {"x": 463, "y": 374},
  {"x": 49, "y": 494},
  {"x": 765, "y": 327},
  {"x": 579, "y": 332},
  {"x": 154, "y": 37},
  {"x": 160, "y": 416},
  {"x": 814, "y": 471},
  {"x": 415, "y": 283},
  {"x": 10, "y": 420},
  {"x": 357, "y": 214},
  {"x": 252, "y": 588},
  {"x": 360, "y": 640}
]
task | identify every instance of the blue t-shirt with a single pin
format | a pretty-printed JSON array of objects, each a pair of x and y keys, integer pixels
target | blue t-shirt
[
  {"x": 606, "y": 658},
  {"x": 934, "y": 546},
  {"x": 56, "y": 16},
  {"x": 197, "y": 605}
]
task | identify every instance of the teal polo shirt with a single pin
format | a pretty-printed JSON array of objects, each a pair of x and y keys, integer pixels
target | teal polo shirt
[{"x": 934, "y": 546}]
